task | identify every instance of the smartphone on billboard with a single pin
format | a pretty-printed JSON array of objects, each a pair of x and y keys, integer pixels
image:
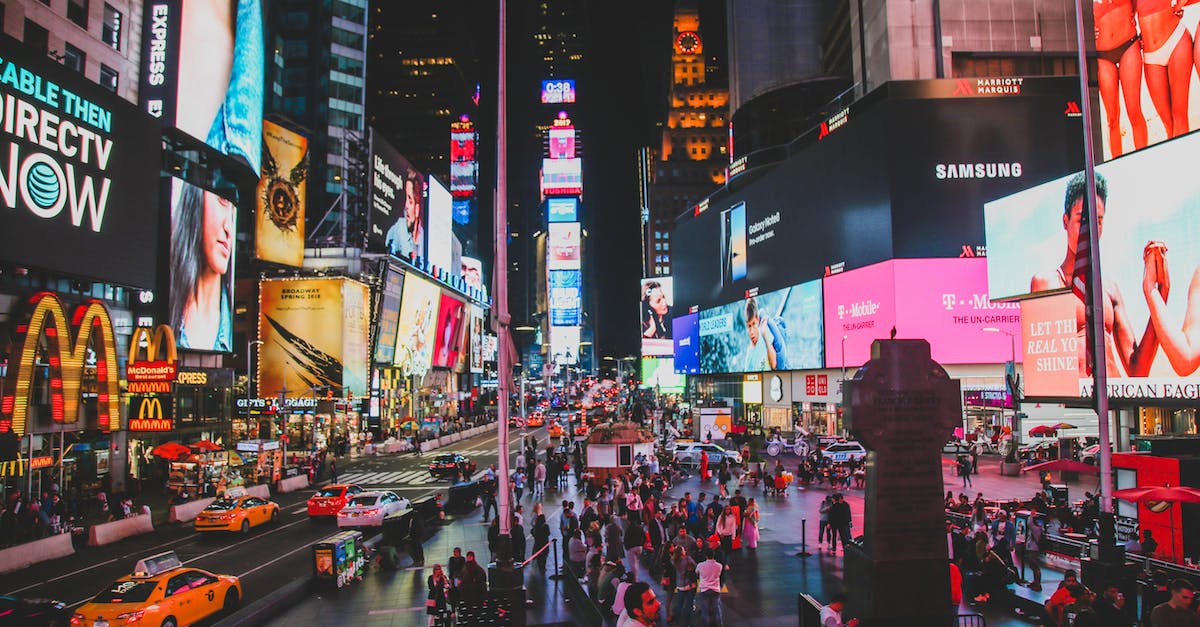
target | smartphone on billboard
[{"x": 733, "y": 244}]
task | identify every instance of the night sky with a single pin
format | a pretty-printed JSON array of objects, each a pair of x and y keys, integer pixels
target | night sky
[{"x": 623, "y": 91}]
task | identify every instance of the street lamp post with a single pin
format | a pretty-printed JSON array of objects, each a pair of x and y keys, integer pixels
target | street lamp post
[
  {"x": 1012, "y": 354},
  {"x": 250, "y": 378}
]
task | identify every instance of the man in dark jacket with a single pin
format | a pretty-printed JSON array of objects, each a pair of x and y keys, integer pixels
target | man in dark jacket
[
  {"x": 473, "y": 587},
  {"x": 839, "y": 520},
  {"x": 416, "y": 539},
  {"x": 517, "y": 533}
]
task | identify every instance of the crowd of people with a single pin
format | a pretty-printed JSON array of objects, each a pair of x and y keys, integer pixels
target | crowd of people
[{"x": 25, "y": 519}]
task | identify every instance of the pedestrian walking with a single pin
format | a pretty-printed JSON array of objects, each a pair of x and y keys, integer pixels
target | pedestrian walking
[
  {"x": 518, "y": 483},
  {"x": 539, "y": 481},
  {"x": 823, "y": 528},
  {"x": 541, "y": 538},
  {"x": 964, "y": 470},
  {"x": 437, "y": 604},
  {"x": 708, "y": 595},
  {"x": 333, "y": 470},
  {"x": 750, "y": 525},
  {"x": 635, "y": 540},
  {"x": 416, "y": 539}
]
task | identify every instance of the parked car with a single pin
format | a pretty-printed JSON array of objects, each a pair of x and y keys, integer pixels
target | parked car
[
  {"x": 688, "y": 453},
  {"x": 330, "y": 500},
  {"x": 368, "y": 509},
  {"x": 844, "y": 451}
]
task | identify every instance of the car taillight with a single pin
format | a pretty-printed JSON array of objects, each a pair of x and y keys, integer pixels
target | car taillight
[
  {"x": 77, "y": 619},
  {"x": 371, "y": 512},
  {"x": 132, "y": 617}
]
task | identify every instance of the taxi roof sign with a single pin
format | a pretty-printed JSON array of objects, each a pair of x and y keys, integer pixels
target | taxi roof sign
[{"x": 156, "y": 565}]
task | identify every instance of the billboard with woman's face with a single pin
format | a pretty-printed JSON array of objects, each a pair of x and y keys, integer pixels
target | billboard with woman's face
[
  {"x": 202, "y": 72},
  {"x": 657, "y": 298},
  {"x": 203, "y": 240},
  {"x": 418, "y": 322}
]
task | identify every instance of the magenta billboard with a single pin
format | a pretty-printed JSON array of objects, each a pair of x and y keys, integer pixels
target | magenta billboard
[{"x": 944, "y": 301}]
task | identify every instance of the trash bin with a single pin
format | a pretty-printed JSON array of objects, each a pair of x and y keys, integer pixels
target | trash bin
[{"x": 462, "y": 496}]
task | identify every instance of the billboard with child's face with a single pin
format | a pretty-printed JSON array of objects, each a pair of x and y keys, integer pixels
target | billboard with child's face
[{"x": 777, "y": 331}]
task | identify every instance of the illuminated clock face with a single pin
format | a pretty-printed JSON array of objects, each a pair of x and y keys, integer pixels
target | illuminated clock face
[{"x": 688, "y": 43}]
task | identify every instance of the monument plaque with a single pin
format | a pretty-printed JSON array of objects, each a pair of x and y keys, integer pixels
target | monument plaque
[{"x": 902, "y": 406}]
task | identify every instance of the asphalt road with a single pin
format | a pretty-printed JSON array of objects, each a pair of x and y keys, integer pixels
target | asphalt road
[{"x": 268, "y": 557}]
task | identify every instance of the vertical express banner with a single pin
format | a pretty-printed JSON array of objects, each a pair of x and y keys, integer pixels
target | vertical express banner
[
  {"x": 280, "y": 197},
  {"x": 301, "y": 326}
]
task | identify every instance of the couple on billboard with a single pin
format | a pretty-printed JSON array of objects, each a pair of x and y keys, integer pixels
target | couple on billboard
[{"x": 1125, "y": 355}]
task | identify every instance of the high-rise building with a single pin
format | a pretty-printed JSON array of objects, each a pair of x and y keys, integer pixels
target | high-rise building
[
  {"x": 96, "y": 39},
  {"x": 693, "y": 155},
  {"x": 316, "y": 77}
]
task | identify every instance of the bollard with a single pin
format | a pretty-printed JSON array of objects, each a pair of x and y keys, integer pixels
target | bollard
[
  {"x": 803, "y": 539},
  {"x": 557, "y": 573}
]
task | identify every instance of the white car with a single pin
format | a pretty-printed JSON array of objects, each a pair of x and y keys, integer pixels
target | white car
[
  {"x": 368, "y": 509},
  {"x": 844, "y": 451},
  {"x": 689, "y": 453}
]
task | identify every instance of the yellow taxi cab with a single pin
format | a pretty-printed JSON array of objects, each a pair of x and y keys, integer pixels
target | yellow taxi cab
[
  {"x": 161, "y": 591},
  {"x": 236, "y": 511},
  {"x": 536, "y": 419},
  {"x": 555, "y": 430}
]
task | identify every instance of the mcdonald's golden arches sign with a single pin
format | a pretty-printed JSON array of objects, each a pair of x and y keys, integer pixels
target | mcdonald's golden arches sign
[
  {"x": 151, "y": 366},
  {"x": 150, "y": 415}
]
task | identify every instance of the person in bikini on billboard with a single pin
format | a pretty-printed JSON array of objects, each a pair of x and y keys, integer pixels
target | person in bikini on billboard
[
  {"x": 1180, "y": 342},
  {"x": 1119, "y": 65},
  {"x": 1167, "y": 50},
  {"x": 1124, "y": 357}
]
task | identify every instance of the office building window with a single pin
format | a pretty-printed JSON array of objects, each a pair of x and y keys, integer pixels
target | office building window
[
  {"x": 111, "y": 28},
  {"x": 36, "y": 37},
  {"x": 109, "y": 78},
  {"x": 74, "y": 58},
  {"x": 77, "y": 11}
]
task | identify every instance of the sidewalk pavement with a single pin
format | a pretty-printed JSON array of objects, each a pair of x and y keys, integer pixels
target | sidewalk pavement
[{"x": 761, "y": 590}]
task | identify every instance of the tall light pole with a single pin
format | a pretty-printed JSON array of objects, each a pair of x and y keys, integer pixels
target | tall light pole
[
  {"x": 500, "y": 267},
  {"x": 1012, "y": 355},
  {"x": 250, "y": 378}
]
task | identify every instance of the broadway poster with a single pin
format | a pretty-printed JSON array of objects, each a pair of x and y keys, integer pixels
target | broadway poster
[{"x": 279, "y": 220}]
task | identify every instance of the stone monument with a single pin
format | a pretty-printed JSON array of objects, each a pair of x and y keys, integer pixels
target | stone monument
[{"x": 902, "y": 406}]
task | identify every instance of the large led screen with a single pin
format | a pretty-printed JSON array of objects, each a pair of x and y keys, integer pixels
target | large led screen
[
  {"x": 78, "y": 195},
  {"x": 564, "y": 345},
  {"x": 397, "y": 193},
  {"x": 780, "y": 330},
  {"x": 562, "y": 209},
  {"x": 1143, "y": 92},
  {"x": 686, "y": 330},
  {"x": 281, "y": 197},
  {"x": 202, "y": 72},
  {"x": 659, "y": 373},
  {"x": 441, "y": 227},
  {"x": 314, "y": 334},
  {"x": 565, "y": 297},
  {"x": 943, "y": 301},
  {"x": 389, "y": 314},
  {"x": 476, "y": 343},
  {"x": 903, "y": 176},
  {"x": 452, "y": 322},
  {"x": 656, "y": 315},
  {"x": 203, "y": 247},
  {"x": 415, "y": 335},
  {"x": 558, "y": 91},
  {"x": 562, "y": 246},
  {"x": 562, "y": 177},
  {"x": 1150, "y": 214},
  {"x": 561, "y": 142}
]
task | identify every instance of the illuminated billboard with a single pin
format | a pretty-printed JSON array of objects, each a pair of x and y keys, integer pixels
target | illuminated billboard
[
  {"x": 659, "y": 373},
  {"x": 562, "y": 142},
  {"x": 656, "y": 301},
  {"x": 202, "y": 72},
  {"x": 441, "y": 227},
  {"x": 944, "y": 301},
  {"x": 1150, "y": 238},
  {"x": 562, "y": 209},
  {"x": 452, "y": 323},
  {"x": 558, "y": 91},
  {"x": 397, "y": 202},
  {"x": 281, "y": 197},
  {"x": 563, "y": 246},
  {"x": 78, "y": 190},
  {"x": 389, "y": 314},
  {"x": 686, "y": 330},
  {"x": 564, "y": 345},
  {"x": 476, "y": 343},
  {"x": 203, "y": 248},
  {"x": 415, "y": 334},
  {"x": 562, "y": 177},
  {"x": 464, "y": 166},
  {"x": 776, "y": 331},
  {"x": 565, "y": 297},
  {"x": 314, "y": 334}
]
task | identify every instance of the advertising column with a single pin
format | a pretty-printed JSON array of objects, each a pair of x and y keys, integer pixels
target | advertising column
[{"x": 562, "y": 189}]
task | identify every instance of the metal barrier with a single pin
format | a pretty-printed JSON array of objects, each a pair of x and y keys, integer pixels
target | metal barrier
[{"x": 808, "y": 611}]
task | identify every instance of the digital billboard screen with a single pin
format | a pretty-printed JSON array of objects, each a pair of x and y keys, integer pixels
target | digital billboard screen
[
  {"x": 389, "y": 314},
  {"x": 476, "y": 343},
  {"x": 562, "y": 209},
  {"x": 202, "y": 72},
  {"x": 558, "y": 91},
  {"x": 463, "y": 210},
  {"x": 564, "y": 345},
  {"x": 415, "y": 333},
  {"x": 1149, "y": 204},
  {"x": 452, "y": 322},
  {"x": 659, "y": 373},
  {"x": 203, "y": 249},
  {"x": 441, "y": 227},
  {"x": 657, "y": 298},
  {"x": 397, "y": 202},
  {"x": 562, "y": 142},
  {"x": 686, "y": 330},
  {"x": 281, "y": 197},
  {"x": 944, "y": 301},
  {"x": 562, "y": 177},
  {"x": 780, "y": 330},
  {"x": 905, "y": 176},
  {"x": 77, "y": 193},
  {"x": 562, "y": 246},
  {"x": 565, "y": 297}
]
